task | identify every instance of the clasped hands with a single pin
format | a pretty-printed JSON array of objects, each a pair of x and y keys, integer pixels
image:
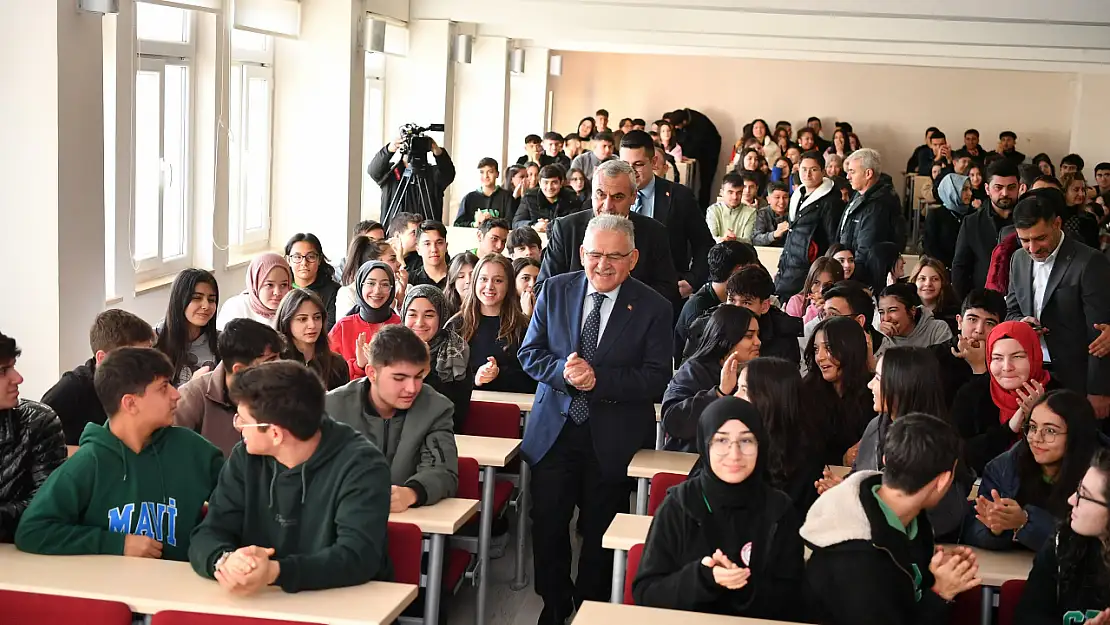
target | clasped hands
[
  {"x": 727, "y": 573},
  {"x": 578, "y": 373},
  {"x": 248, "y": 569},
  {"x": 999, "y": 513}
]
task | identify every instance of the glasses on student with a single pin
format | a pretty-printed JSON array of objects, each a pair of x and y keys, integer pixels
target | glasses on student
[
  {"x": 1047, "y": 432},
  {"x": 237, "y": 423},
  {"x": 1079, "y": 496},
  {"x": 720, "y": 446},
  {"x": 311, "y": 258},
  {"x": 611, "y": 257}
]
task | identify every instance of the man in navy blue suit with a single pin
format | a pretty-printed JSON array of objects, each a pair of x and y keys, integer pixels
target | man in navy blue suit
[{"x": 599, "y": 346}]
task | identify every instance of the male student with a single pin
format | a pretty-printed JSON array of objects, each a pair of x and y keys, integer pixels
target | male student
[
  {"x": 432, "y": 248},
  {"x": 753, "y": 288},
  {"x": 725, "y": 259},
  {"x": 971, "y": 150},
  {"x": 31, "y": 443},
  {"x": 532, "y": 150},
  {"x": 492, "y": 236},
  {"x": 547, "y": 202},
  {"x": 303, "y": 503},
  {"x": 601, "y": 151},
  {"x": 489, "y": 200},
  {"x": 137, "y": 485},
  {"x": 73, "y": 397},
  {"x": 734, "y": 216},
  {"x": 874, "y": 559},
  {"x": 407, "y": 419},
  {"x": 553, "y": 151},
  {"x": 965, "y": 356},
  {"x": 1007, "y": 147},
  {"x": 205, "y": 405},
  {"x": 602, "y": 117},
  {"x": 525, "y": 242},
  {"x": 404, "y": 233},
  {"x": 1071, "y": 164},
  {"x": 1102, "y": 179},
  {"x": 772, "y": 222}
]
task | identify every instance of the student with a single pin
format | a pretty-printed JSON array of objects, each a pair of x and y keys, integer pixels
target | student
[
  {"x": 906, "y": 322},
  {"x": 553, "y": 151},
  {"x": 771, "y": 221},
  {"x": 601, "y": 151},
  {"x": 942, "y": 225},
  {"x": 433, "y": 254},
  {"x": 793, "y": 445},
  {"x": 73, "y": 398},
  {"x": 1024, "y": 491},
  {"x": 425, "y": 313},
  {"x": 366, "y": 228},
  {"x": 353, "y": 333},
  {"x": 525, "y": 242},
  {"x": 586, "y": 129},
  {"x": 493, "y": 324},
  {"x": 730, "y": 340},
  {"x": 846, "y": 256},
  {"x": 725, "y": 541},
  {"x": 492, "y": 235},
  {"x": 724, "y": 260},
  {"x": 1102, "y": 181},
  {"x": 410, "y": 422},
  {"x": 404, "y": 234},
  {"x": 965, "y": 356},
  {"x": 572, "y": 146},
  {"x": 546, "y": 203},
  {"x": 577, "y": 181},
  {"x": 989, "y": 410},
  {"x": 734, "y": 216},
  {"x": 313, "y": 271},
  {"x": 836, "y": 380},
  {"x": 806, "y": 304},
  {"x": 300, "y": 321},
  {"x": 1076, "y": 218},
  {"x": 516, "y": 178},
  {"x": 533, "y": 148},
  {"x": 979, "y": 195},
  {"x": 31, "y": 439},
  {"x": 303, "y": 503},
  {"x": 874, "y": 559},
  {"x": 852, "y": 299},
  {"x": 602, "y": 116},
  {"x": 814, "y": 216},
  {"x": 205, "y": 405},
  {"x": 89, "y": 506},
  {"x": 269, "y": 278},
  {"x": 525, "y": 272},
  {"x": 753, "y": 288},
  {"x": 187, "y": 334},
  {"x": 935, "y": 290},
  {"x": 489, "y": 200},
  {"x": 362, "y": 251},
  {"x": 1068, "y": 580},
  {"x": 971, "y": 150},
  {"x": 458, "y": 281}
]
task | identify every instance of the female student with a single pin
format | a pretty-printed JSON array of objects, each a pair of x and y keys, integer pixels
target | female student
[
  {"x": 793, "y": 445},
  {"x": 942, "y": 224},
  {"x": 425, "y": 313},
  {"x": 835, "y": 383},
  {"x": 1024, "y": 493},
  {"x": 353, "y": 333},
  {"x": 902, "y": 318},
  {"x": 492, "y": 323},
  {"x": 525, "y": 271},
  {"x": 458, "y": 281},
  {"x": 935, "y": 290},
  {"x": 844, "y": 255},
  {"x": 577, "y": 181},
  {"x": 839, "y": 145},
  {"x": 1070, "y": 580},
  {"x": 823, "y": 273},
  {"x": 761, "y": 132},
  {"x": 1079, "y": 219},
  {"x": 269, "y": 278},
  {"x": 313, "y": 271},
  {"x": 361, "y": 250},
  {"x": 301, "y": 321},
  {"x": 730, "y": 339},
  {"x": 725, "y": 541},
  {"x": 979, "y": 195},
  {"x": 989, "y": 410},
  {"x": 586, "y": 129},
  {"x": 669, "y": 141},
  {"x": 187, "y": 334}
]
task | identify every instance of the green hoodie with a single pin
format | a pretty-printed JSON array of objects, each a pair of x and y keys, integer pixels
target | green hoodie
[
  {"x": 106, "y": 491},
  {"x": 325, "y": 518}
]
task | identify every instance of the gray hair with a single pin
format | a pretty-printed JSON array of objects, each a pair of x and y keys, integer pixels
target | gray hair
[
  {"x": 616, "y": 168},
  {"x": 833, "y": 158},
  {"x": 611, "y": 223},
  {"x": 867, "y": 158}
]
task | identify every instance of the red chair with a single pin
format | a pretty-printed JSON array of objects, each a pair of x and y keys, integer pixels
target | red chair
[
  {"x": 492, "y": 419},
  {"x": 171, "y": 617},
  {"x": 660, "y": 484},
  {"x": 20, "y": 608},
  {"x": 630, "y": 571},
  {"x": 1008, "y": 600},
  {"x": 406, "y": 548}
]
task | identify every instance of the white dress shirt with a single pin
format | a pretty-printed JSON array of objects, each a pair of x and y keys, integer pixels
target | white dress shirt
[
  {"x": 606, "y": 307},
  {"x": 1041, "y": 272}
]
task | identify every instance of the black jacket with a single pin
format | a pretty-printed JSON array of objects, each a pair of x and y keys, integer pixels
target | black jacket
[
  {"x": 977, "y": 239},
  {"x": 703, "y": 300},
  {"x": 876, "y": 217},
  {"x": 954, "y": 371},
  {"x": 31, "y": 447},
  {"x": 690, "y": 240},
  {"x": 942, "y": 229},
  {"x": 671, "y": 574},
  {"x": 534, "y": 206},
  {"x": 73, "y": 398},
  {"x": 778, "y": 333},
  {"x": 389, "y": 178},
  {"x": 693, "y": 387},
  {"x": 812, "y": 230},
  {"x": 1054, "y": 594},
  {"x": 977, "y": 420},
  {"x": 976, "y": 158},
  {"x": 327, "y": 289},
  {"x": 700, "y": 140},
  {"x": 499, "y": 204}
]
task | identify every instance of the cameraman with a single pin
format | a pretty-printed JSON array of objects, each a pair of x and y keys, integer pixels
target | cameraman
[{"x": 390, "y": 176}]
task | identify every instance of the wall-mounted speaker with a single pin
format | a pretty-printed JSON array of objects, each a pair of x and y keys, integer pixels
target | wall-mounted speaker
[
  {"x": 516, "y": 61},
  {"x": 101, "y": 7},
  {"x": 464, "y": 48},
  {"x": 556, "y": 65}
]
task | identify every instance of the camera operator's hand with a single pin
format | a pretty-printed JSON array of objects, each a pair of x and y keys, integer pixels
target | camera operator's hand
[
  {"x": 395, "y": 145},
  {"x": 436, "y": 150}
]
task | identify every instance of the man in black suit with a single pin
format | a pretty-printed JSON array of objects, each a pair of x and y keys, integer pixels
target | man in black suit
[
  {"x": 674, "y": 206},
  {"x": 979, "y": 231},
  {"x": 1059, "y": 285},
  {"x": 614, "y": 191},
  {"x": 599, "y": 346}
]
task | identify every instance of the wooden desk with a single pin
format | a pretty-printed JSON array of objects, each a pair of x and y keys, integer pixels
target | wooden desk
[
  {"x": 151, "y": 586},
  {"x": 625, "y": 532},
  {"x": 437, "y": 521},
  {"x": 646, "y": 463},
  {"x": 997, "y": 568},
  {"x": 596, "y": 613},
  {"x": 487, "y": 451}
]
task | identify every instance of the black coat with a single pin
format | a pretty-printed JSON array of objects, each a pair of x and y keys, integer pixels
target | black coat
[
  {"x": 942, "y": 229},
  {"x": 813, "y": 229},
  {"x": 677, "y": 208},
  {"x": 690, "y": 391},
  {"x": 73, "y": 398},
  {"x": 1049, "y": 599},
  {"x": 31, "y": 447},
  {"x": 972, "y": 258},
  {"x": 700, "y": 140},
  {"x": 778, "y": 333},
  {"x": 704, "y": 299},
  {"x": 534, "y": 206},
  {"x": 389, "y": 178},
  {"x": 977, "y": 420},
  {"x": 876, "y": 219}
]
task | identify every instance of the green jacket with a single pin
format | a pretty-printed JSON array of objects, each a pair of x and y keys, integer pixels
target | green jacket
[
  {"x": 419, "y": 443},
  {"x": 325, "y": 518},
  {"x": 106, "y": 491}
]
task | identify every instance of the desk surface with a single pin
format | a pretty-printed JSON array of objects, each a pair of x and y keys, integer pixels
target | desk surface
[
  {"x": 594, "y": 613},
  {"x": 998, "y": 567},
  {"x": 445, "y": 517},
  {"x": 648, "y": 462},
  {"x": 626, "y": 531},
  {"x": 488, "y": 451},
  {"x": 151, "y": 586},
  {"x": 524, "y": 401}
]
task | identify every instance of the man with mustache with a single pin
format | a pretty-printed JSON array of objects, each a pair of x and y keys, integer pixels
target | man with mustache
[{"x": 979, "y": 231}]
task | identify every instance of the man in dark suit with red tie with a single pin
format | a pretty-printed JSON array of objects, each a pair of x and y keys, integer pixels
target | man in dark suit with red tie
[{"x": 599, "y": 346}]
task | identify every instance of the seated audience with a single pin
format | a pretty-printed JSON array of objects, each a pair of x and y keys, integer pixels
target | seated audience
[
  {"x": 935, "y": 291},
  {"x": 730, "y": 340},
  {"x": 578, "y": 183},
  {"x": 846, "y": 256},
  {"x": 187, "y": 334},
  {"x": 725, "y": 541},
  {"x": 979, "y": 195},
  {"x": 362, "y": 251},
  {"x": 753, "y": 288},
  {"x": 1007, "y": 148},
  {"x": 942, "y": 224},
  {"x": 852, "y": 299},
  {"x": 1024, "y": 492},
  {"x": 601, "y": 150},
  {"x": 367, "y": 228},
  {"x": 546, "y": 203},
  {"x": 725, "y": 259},
  {"x": 32, "y": 440},
  {"x": 411, "y": 422},
  {"x": 1102, "y": 181},
  {"x": 814, "y": 216},
  {"x": 869, "y": 534},
  {"x": 89, "y": 506},
  {"x": 965, "y": 356},
  {"x": 836, "y": 378},
  {"x": 73, "y": 398},
  {"x": 404, "y": 234},
  {"x": 353, "y": 333},
  {"x": 205, "y": 405},
  {"x": 432, "y": 249},
  {"x": 269, "y": 278},
  {"x": 669, "y": 141},
  {"x": 981, "y": 231},
  {"x": 906, "y": 322},
  {"x": 936, "y": 149},
  {"x": 734, "y": 216},
  {"x": 971, "y": 150},
  {"x": 516, "y": 178},
  {"x": 525, "y": 242},
  {"x": 807, "y": 304},
  {"x": 1077, "y": 219},
  {"x": 313, "y": 271},
  {"x": 425, "y": 313},
  {"x": 525, "y": 271},
  {"x": 1071, "y": 164},
  {"x": 300, "y": 322},
  {"x": 492, "y": 236},
  {"x": 572, "y": 146},
  {"x": 458, "y": 281},
  {"x": 533, "y": 148},
  {"x": 771, "y": 221},
  {"x": 489, "y": 200}
]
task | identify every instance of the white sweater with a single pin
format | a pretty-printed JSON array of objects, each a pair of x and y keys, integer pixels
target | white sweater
[{"x": 238, "y": 307}]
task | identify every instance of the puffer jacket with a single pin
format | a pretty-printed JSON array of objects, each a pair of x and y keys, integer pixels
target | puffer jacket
[
  {"x": 814, "y": 223},
  {"x": 31, "y": 447},
  {"x": 873, "y": 217}
]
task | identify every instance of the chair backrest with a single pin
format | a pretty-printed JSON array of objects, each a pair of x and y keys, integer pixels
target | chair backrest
[
  {"x": 171, "y": 617},
  {"x": 630, "y": 571},
  {"x": 406, "y": 549},
  {"x": 1008, "y": 600},
  {"x": 19, "y": 608},
  {"x": 492, "y": 419},
  {"x": 469, "y": 485},
  {"x": 660, "y": 483}
]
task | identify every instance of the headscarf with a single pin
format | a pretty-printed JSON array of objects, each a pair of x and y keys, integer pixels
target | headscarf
[
  {"x": 260, "y": 267},
  {"x": 1007, "y": 401},
  {"x": 368, "y": 313},
  {"x": 449, "y": 351},
  {"x": 950, "y": 191},
  {"x": 720, "y": 494}
]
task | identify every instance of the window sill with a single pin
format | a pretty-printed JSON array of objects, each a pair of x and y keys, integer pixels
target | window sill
[
  {"x": 238, "y": 258},
  {"x": 154, "y": 284}
]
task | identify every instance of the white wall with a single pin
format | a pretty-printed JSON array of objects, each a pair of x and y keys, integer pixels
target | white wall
[
  {"x": 528, "y": 100},
  {"x": 1090, "y": 129}
]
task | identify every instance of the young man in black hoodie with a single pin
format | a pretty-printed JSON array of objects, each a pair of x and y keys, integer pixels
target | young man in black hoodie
[
  {"x": 964, "y": 357},
  {"x": 725, "y": 259},
  {"x": 316, "y": 521},
  {"x": 874, "y": 559}
]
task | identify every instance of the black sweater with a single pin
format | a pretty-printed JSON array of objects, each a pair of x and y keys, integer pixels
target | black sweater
[
  {"x": 693, "y": 387},
  {"x": 75, "y": 401},
  {"x": 977, "y": 420},
  {"x": 1047, "y": 601},
  {"x": 499, "y": 204},
  {"x": 511, "y": 377}
]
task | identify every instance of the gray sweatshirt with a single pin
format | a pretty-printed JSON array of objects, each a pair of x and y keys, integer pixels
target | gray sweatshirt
[{"x": 928, "y": 332}]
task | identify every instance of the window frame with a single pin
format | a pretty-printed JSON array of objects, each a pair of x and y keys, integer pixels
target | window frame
[{"x": 248, "y": 64}]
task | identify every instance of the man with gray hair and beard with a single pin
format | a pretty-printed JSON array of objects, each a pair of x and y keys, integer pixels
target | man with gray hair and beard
[{"x": 614, "y": 193}]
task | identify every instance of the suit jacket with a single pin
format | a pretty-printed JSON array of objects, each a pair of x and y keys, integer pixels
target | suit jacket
[
  {"x": 1076, "y": 298},
  {"x": 632, "y": 366},
  {"x": 677, "y": 208},
  {"x": 972, "y": 257},
  {"x": 655, "y": 267}
]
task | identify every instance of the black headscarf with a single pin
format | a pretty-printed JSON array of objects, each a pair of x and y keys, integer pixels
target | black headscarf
[
  {"x": 368, "y": 313},
  {"x": 721, "y": 495}
]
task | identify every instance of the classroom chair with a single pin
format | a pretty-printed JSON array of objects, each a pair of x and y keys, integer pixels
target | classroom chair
[
  {"x": 172, "y": 617},
  {"x": 495, "y": 420},
  {"x": 630, "y": 571},
  {"x": 406, "y": 549},
  {"x": 20, "y": 608},
  {"x": 1008, "y": 598},
  {"x": 457, "y": 560},
  {"x": 660, "y": 483}
]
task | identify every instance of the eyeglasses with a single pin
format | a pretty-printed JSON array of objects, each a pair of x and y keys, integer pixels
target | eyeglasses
[
  {"x": 1079, "y": 496},
  {"x": 611, "y": 257},
  {"x": 237, "y": 423},
  {"x": 1048, "y": 433},
  {"x": 311, "y": 258},
  {"x": 720, "y": 446}
]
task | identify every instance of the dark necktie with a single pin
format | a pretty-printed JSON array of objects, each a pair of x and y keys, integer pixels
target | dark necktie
[{"x": 587, "y": 345}]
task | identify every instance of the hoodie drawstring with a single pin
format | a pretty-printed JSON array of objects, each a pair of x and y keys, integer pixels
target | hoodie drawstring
[{"x": 273, "y": 480}]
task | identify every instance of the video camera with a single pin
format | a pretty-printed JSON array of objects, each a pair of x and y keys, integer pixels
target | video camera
[{"x": 415, "y": 145}]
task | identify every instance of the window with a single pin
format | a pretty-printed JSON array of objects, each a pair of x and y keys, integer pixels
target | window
[{"x": 251, "y": 97}]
